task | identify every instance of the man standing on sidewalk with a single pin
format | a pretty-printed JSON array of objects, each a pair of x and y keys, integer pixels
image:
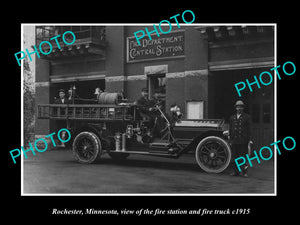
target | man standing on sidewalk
[{"x": 240, "y": 135}]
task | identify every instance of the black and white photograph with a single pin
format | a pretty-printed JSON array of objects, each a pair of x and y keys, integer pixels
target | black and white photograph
[
  {"x": 148, "y": 109},
  {"x": 149, "y": 112}
]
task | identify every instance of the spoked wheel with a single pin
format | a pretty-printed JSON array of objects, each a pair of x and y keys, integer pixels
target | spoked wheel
[
  {"x": 86, "y": 147},
  {"x": 213, "y": 154}
]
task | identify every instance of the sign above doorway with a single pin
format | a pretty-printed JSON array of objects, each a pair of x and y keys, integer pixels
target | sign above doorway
[{"x": 169, "y": 46}]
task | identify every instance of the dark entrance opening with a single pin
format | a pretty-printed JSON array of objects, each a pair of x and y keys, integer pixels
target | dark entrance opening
[
  {"x": 223, "y": 94},
  {"x": 259, "y": 103}
]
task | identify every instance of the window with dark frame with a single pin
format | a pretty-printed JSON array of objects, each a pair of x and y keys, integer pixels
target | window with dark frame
[{"x": 157, "y": 83}]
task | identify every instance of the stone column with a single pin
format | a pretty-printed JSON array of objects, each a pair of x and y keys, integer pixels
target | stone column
[
  {"x": 196, "y": 68},
  {"x": 115, "y": 77}
]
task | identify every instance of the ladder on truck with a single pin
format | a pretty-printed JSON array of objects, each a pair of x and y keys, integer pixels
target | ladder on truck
[{"x": 85, "y": 112}]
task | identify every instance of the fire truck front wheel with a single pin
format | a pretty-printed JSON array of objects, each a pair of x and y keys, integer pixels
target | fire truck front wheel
[
  {"x": 86, "y": 147},
  {"x": 213, "y": 154}
]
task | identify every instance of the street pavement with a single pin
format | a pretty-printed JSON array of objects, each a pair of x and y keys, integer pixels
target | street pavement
[{"x": 57, "y": 172}]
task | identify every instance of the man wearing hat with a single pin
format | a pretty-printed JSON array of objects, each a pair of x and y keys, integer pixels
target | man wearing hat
[
  {"x": 144, "y": 103},
  {"x": 61, "y": 100},
  {"x": 144, "y": 106},
  {"x": 240, "y": 135},
  {"x": 62, "y": 97},
  {"x": 158, "y": 100}
]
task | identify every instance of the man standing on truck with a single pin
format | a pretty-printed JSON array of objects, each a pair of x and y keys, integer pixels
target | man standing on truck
[
  {"x": 240, "y": 135},
  {"x": 62, "y": 112},
  {"x": 62, "y": 97}
]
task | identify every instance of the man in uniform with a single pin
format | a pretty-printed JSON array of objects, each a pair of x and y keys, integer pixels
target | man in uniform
[
  {"x": 158, "y": 120},
  {"x": 144, "y": 104},
  {"x": 61, "y": 100},
  {"x": 158, "y": 100},
  {"x": 240, "y": 135}
]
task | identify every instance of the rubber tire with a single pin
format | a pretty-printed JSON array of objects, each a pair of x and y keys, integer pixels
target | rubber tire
[
  {"x": 96, "y": 143},
  {"x": 209, "y": 170}
]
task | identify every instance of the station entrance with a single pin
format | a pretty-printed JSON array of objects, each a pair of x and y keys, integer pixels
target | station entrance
[{"x": 259, "y": 103}]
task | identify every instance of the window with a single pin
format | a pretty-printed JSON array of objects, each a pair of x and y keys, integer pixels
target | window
[
  {"x": 157, "y": 83},
  {"x": 194, "y": 109},
  {"x": 45, "y": 32}
]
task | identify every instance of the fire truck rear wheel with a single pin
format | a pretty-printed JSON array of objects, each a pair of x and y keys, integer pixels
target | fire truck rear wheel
[{"x": 86, "y": 147}]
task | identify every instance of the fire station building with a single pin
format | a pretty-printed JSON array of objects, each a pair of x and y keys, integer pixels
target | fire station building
[{"x": 193, "y": 66}]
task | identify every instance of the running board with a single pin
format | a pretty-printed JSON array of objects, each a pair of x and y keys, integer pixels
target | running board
[
  {"x": 159, "y": 144},
  {"x": 153, "y": 153}
]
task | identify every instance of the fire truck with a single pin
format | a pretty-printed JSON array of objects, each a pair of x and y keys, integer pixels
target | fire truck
[{"x": 111, "y": 126}]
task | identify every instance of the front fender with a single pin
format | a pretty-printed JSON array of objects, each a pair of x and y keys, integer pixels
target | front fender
[{"x": 192, "y": 146}]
